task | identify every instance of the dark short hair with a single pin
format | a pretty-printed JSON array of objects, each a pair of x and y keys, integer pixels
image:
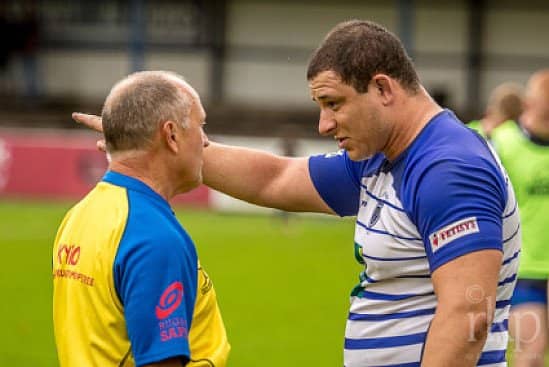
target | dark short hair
[
  {"x": 357, "y": 50},
  {"x": 138, "y": 104}
]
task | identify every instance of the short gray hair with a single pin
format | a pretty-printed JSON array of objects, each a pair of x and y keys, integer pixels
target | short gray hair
[{"x": 138, "y": 104}]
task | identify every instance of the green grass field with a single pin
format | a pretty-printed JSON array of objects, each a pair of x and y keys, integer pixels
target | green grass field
[{"x": 283, "y": 289}]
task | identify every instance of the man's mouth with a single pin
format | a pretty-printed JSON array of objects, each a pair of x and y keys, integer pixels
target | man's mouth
[{"x": 341, "y": 142}]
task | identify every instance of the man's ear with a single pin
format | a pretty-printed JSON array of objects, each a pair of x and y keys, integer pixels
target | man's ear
[
  {"x": 169, "y": 135},
  {"x": 384, "y": 87}
]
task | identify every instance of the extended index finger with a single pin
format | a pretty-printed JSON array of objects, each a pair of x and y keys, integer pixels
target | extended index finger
[{"x": 92, "y": 121}]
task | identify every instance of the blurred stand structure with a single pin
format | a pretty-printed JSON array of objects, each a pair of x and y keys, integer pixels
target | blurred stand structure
[
  {"x": 19, "y": 29},
  {"x": 248, "y": 58}
]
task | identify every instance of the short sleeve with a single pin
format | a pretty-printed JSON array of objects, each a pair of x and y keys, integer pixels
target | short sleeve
[
  {"x": 156, "y": 279},
  {"x": 457, "y": 207},
  {"x": 337, "y": 180}
]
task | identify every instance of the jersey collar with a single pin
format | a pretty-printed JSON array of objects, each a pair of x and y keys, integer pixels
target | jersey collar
[{"x": 132, "y": 183}]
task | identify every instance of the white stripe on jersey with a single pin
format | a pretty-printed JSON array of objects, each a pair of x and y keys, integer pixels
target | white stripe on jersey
[{"x": 379, "y": 357}]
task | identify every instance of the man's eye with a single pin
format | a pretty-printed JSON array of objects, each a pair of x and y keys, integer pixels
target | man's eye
[{"x": 331, "y": 104}]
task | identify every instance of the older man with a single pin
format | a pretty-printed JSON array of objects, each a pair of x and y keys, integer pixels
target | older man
[{"x": 126, "y": 273}]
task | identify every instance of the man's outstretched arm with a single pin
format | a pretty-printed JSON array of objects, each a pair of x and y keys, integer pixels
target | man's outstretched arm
[
  {"x": 262, "y": 178},
  {"x": 251, "y": 175}
]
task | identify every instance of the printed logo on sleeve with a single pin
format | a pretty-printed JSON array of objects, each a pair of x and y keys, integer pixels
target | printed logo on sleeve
[
  {"x": 170, "y": 300},
  {"x": 66, "y": 266},
  {"x": 452, "y": 232},
  {"x": 171, "y": 327}
]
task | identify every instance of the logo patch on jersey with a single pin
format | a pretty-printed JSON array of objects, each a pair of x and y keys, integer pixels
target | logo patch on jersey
[
  {"x": 376, "y": 214},
  {"x": 170, "y": 300},
  {"x": 452, "y": 232},
  {"x": 68, "y": 254},
  {"x": 66, "y": 267}
]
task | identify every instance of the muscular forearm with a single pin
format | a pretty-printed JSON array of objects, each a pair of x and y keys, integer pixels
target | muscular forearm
[
  {"x": 456, "y": 339},
  {"x": 226, "y": 168},
  {"x": 261, "y": 178}
]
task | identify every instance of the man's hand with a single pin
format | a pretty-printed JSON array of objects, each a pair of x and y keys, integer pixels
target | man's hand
[{"x": 93, "y": 122}]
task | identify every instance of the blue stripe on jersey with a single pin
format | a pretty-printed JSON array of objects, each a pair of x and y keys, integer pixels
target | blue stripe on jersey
[
  {"x": 500, "y": 326},
  {"x": 493, "y": 356},
  {"x": 363, "y": 276},
  {"x": 513, "y": 235},
  {"x": 391, "y": 316},
  {"x": 412, "y": 364},
  {"x": 387, "y": 233},
  {"x": 385, "y": 342},
  {"x": 508, "y": 280},
  {"x": 503, "y": 304},
  {"x": 512, "y": 211},
  {"x": 380, "y": 199},
  {"x": 508, "y": 260},
  {"x": 389, "y": 297}
]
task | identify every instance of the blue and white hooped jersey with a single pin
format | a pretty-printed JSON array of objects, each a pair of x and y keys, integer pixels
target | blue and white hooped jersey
[{"x": 445, "y": 196}]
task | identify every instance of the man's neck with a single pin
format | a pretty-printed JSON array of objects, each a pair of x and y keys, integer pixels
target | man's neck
[
  {"x": 410, "y": 119},
  {"x": 144, "y": 169}
]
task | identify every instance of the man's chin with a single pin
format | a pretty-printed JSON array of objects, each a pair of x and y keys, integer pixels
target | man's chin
[{"x": 357, "y": 157}]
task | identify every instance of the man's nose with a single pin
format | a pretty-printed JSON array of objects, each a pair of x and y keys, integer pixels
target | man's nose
[
  {"x": 326, "y": 122},
  {"x": 205, "y": 140}
]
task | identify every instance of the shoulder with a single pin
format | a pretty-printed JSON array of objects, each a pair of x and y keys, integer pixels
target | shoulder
[
  {"x": 447, "y": 140},
  {"x": 476, "y": 126},
  {"x": 153, "y": 246},
  {"x": 449, "y": 155},
  {"x": 153, "y": 228}
]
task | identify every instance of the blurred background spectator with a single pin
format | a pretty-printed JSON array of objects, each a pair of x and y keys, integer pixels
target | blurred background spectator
[
  {"x": 524, "y": 151},
  {"x": 504, "y": 104}
]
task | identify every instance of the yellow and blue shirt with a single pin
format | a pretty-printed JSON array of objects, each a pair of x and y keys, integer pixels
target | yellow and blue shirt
[{"x": 128, "y": 287}]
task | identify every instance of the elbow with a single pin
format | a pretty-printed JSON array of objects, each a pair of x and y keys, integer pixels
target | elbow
[
  {"x": 480, "y": 316},
  {"x": 479, "y": 324},
  {"x": 475, "y": 319}
]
